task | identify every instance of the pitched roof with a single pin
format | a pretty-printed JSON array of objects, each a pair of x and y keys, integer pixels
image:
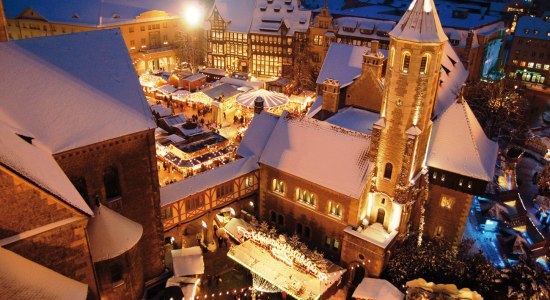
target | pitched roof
[
  {"x": 21, "y": 278},
  {"x": 420, "y": 23},
  {"x": 459, "y": 145},
  {"x": 268, "y": 18},
  {"x": 73, "y": 90},
  {"x": 313, "y": 150},
  {"x": 452, "y": 77},
  {"x": 238, "y": 14},
  {"x": 38, "y": 166},
  {"x": 355, "y": 119},
  {"x": 535, "y": 28},
  {"x": 343, "y": 63},
  {"x": 258, "y": 133}
]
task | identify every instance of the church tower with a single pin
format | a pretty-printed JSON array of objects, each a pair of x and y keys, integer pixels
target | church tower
[{"x": 402, "y": 133}]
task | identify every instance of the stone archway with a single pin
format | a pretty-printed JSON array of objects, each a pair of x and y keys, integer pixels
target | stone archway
[{"x": 358, "y": 274}]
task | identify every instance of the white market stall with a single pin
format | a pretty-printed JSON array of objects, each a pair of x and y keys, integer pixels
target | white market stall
[
  {"x": 188, "y": 261},
  {"x": 271, "y": 99}
]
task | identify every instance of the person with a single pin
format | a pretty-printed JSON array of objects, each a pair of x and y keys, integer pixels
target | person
[
  {"x": 220, "y": 241},
  {"x": 199, "y": 238}
]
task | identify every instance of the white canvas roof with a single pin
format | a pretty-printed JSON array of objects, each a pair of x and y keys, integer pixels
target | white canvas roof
[
  {"x": 111, "y": 234},
  {"x": 459, "y": 145},
  {"x": 72, "y": 90},
  {"x": 232, "y": 228},
  {"x": 377, "y": 289},
  {"x": 313, "y": 150},
  {"x": 188, "y": 261},
  {"x": 162, "y": 110},
  {"x": 38, "y": 166},
  {"x": 343, "y": 63},
  {"x": 420, "y": 23},
  {"x": 257, "y": 134},
  {"x": 271, "y": 99},
  {"x": 21, "y": 278}
]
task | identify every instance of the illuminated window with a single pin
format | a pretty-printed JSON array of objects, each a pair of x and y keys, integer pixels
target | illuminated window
[
  {"x": 406, "y": 62},
  {"x": 447, "y": 201},
  {"x": 460, "y": 182},
  {"x": 328, "y": 241},
  {"x": 438, "y": 231},
  {"x": 434, "y": 175},
  {"x": 425, "y": 64},
  {"x": 335, "y": 209},
  {"x": 392, "y": 56},
  {"x": 443, "y": 177},
  {"x": 469, "y": 184},
  {"x": 530, "y": 65},
  {"x": 306, "y": 197},
  {"x": 538, "y": 66},
  {"x": 522, "y": 63},
  {"x": 278, "y": 186},
  {"x": 515, "y": 61},
  {"x": 388, "y": 170},
  {"x": 249, "y": 181},
  {"x": 336, "y": 244}
]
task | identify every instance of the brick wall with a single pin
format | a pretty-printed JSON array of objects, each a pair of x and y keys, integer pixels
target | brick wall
[{"x": 134, "y": 158}]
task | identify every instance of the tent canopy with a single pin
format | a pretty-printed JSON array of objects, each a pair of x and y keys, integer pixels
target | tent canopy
[
  {"x": 188, "y": 261},
  {"x": 377, "y": 289},
  {"x": 271, "y": 99}
]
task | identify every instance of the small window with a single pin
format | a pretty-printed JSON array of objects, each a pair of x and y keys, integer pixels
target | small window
[
  {"x": 460, "y": 182},
  {"x": 388, "y": 170},
  {"x": 273, "y": 217},
  {"x": 307, "y": 232},
  {"x": 447, "y": 201},
  {"x": 336, "y": 244},
  {"x": 328, "y": 241},
  {"x": 111, "y": 183},
  {"x": 438, "y": 231},
  {"x": 249, "y": 181},
  {"x": 424, "y": 64},
  {"x": 383, "y": 201},
  {"x": 443, "y": 177},
  {"x": 281, "y": 220},
  {"x": 434, "y": 175},
  {"x": 299, "y": 229},
  {"x": 406, "y": 62},
  {"x": 335, "y": 209},
  {"x": 469, "y": 184},
  {"x": 278, "y": 186}
]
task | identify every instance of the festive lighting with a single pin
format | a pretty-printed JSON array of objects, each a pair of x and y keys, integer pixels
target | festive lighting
[{"x": 193, "y": 14}]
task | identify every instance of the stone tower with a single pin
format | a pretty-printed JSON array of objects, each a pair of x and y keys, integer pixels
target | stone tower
[
  {"x": 402, "y": 134},
  {"x": 331, "y": 95}
]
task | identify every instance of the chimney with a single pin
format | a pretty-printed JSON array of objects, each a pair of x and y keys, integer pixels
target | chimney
[
  {"x": 374, "y": 47},
  {"x": 258, "y": 105},
  {"x": 4, "y": 37}
]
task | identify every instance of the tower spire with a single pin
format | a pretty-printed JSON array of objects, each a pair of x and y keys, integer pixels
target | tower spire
[{"x": 420, "y": 23}]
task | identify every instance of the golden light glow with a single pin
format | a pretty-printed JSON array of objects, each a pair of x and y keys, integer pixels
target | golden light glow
[
  {"x": 193, "y": 14},
  {"x": 396, "y": 217}
]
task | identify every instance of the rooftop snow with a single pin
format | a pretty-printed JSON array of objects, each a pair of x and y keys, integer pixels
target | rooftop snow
[
  {"x": 374, "y": 288},
  {"x": 188, "y": 261},
  {"x": 237, "y": 13},
  {"x": 257, "y": 134},
  {"x": 534, "y": 28},
  {"x": 111, "y": 234},
  {"x": 78, "y": 89},
  {"x": 38, "y": 166},
  {"x": 343, "y": 63},
  {"x": 459, "y": 145},
  {"x": 313, "y": 150},
  {"x": 295, "y": 20},
  {"x": 205, "y": 180},
  {"x": 451, "y": 82},
  {"x": 21, "y": 278},
  {"x": 355, "y": 119},
  {"x": 420, "y": 23}
]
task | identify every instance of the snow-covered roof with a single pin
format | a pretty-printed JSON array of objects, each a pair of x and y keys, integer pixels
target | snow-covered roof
[
  {"x": 72, "y": 90},
  {"x": 111, "y": 234},
  {"x": 97, "y": 13},
  {"x": 459, "y": 145},
  {"x": 355, "y": 119},
  {"x": 452, "y": 76},
  {"x": 367, "y": 28},
  {"x": 237, "y": 14},
  {"x": 315, "y": 107},
  {"x": 343, "y": 63},
  {"x": 312, "y": 150},
  {"x": 38, "y": 166},
  {"x": 534, "y": 28},
  {"x": 205, "y": 180},
  {"x": 188, "y": 261},
  {"x": 161, "y": 110},
  {"x": 225, "y": 90},
  {"x": 258, "y": 133},
  {"x": 238, "y": 82},
  {"x": 21, "y": 278},
  {"x": 377, "y": 289},
  {"x": 420, "y": 23},
  {"x": 167, "y": 89},
  {"x": 277, "y": 13},
  {"x": 232, "y": 228}
]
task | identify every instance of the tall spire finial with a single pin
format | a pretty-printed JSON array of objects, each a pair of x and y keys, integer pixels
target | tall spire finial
[{"x": 326, "y": 6}]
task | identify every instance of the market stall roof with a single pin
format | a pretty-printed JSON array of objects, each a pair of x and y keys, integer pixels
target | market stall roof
[
  {"x": 188, "y": 261},
  {"x": 242, "y": 83},
  {"x": 224, "y": 90},
  {"x": 111, "y": 234},
  {"x": 173, "y": 120},
  {"x": 162, "y": 110},
  {"x": 271, "y": 99},
  {"x": 214, "y": 71},
  {"x": 287, "y": 278},
  {"x": 232, "y": 228},
  {"x": 166, "y": 89},
  {"x": 200, "y": 97},
  {"x": 180, "y": 94},
  {"x": 150, "y": 80},
  {"x": 39, "y": 167},
  {"x": 78, "y": 89},
  {"x": 194, "y": 77},
  {"x": 21, "y": 278},
  {"x": 377, "y": 289}
]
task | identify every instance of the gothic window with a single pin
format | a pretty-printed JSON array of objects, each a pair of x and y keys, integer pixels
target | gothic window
[
  {"x": 406, "y": 62},
  {"x": 438, "y": 231},
  {"x": 388, "y": 170},
  {"x": 447, "y": 201},
  {"x": 392, "y": 56},
  {"x": 278, "y": 186},
  {"x": 111, "y": 182},
  {"x": 335, "y": 209},
  {"x": 424, "y": 64},
  {"x": 306, "y": 197}
]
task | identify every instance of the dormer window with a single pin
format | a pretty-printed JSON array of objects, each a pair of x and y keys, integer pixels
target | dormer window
[
  {"x": 76, "y": 16},
  {"x": 277, "y": 8},
  {"x": 269, "y": 1},
  {"x": 116, "y": 16},
  {"x": 288, "y": 1},
  {"x": 349, "y": 29},
  {"x": 263, "y": 7},
  {"x": 290, "y": 8}
]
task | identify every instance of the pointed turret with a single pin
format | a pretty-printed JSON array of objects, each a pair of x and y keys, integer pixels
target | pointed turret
[{"x": 420, "y": 23}]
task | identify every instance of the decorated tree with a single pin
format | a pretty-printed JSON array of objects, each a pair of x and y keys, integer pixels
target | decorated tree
[
  {"x": 254, "y": 224},
  {"x": 294, "y": 241},
  {"x": 264, "y": 227}
]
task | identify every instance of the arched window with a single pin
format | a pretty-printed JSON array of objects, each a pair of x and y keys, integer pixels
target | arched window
[
  {"x": 425, "y": 64},
  {"x": 392, "y": 56},
  {"x": 111, "y": 182},
  {"x": 406, "y": 62},
  {"x": 80, "y": 185},
  {"x": 388, "y": 170},
  {"x": 335, "y": 209},
  {"x": 278, "y": 186}
]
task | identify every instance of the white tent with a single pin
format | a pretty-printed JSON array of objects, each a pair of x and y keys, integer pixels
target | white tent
[
  {"x": 167, "y": 89},
  {"x": 232, "y": 228},
  {"x": 377, "y": 289},
  {"x": 188, "y": 261},
  {"x": 271, "y": 99}
]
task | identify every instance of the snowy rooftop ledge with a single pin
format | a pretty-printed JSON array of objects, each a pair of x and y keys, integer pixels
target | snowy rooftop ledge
[{"x": 375, "y": 234}]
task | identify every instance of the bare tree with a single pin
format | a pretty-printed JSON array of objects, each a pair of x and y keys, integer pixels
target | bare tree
[
  {"x": 190, "y": 48},
  {"x": 303, "y": 72},
  {"x": 501, "y": 110}
]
